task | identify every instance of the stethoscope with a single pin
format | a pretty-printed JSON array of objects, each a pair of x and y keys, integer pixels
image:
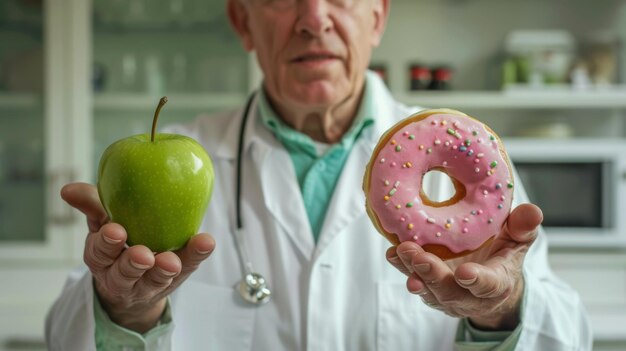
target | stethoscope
[{"x": 253, "y": 287}]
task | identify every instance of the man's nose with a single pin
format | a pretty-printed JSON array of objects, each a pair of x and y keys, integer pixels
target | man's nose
[{"x": 313, "y": 18}]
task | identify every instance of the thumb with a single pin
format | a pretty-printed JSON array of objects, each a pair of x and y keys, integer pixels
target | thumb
[
  {"x": 198, "y": 248},
  {"x": 523, "y": 222},
  {"x": 84, "y": 197}
]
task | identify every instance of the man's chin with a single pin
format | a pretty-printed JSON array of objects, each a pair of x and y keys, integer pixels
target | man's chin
[
  {"x": 314, "y": 101},
  {"x": 318, "y": 93}
]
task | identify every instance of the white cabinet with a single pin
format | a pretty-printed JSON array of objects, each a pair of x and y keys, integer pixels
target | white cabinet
[
  {"x": 38, "y": 132},
  {"x": 76, "y": 75},
  {"x": 42, "y": 115}
]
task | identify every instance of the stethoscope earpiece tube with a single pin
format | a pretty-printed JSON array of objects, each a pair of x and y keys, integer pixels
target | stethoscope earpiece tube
[
  {"x": 242, "y": 131},
  {"x": 253, "y": 286}
]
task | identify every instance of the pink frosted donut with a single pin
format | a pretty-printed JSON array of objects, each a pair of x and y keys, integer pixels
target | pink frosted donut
[{"x": 469, "y": 152}]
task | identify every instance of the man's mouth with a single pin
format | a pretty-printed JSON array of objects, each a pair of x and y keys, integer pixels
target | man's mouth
[{"x": 314, "y": 57}]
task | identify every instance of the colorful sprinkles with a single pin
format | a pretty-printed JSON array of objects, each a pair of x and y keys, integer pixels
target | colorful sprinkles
[{"x": 457, "y": 137}]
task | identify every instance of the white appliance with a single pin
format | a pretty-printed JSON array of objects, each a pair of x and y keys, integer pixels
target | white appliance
[{"x": 580, "y": 185}]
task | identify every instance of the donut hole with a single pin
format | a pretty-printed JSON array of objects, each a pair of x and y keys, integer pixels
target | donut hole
[{"x": 439, "y": 189}]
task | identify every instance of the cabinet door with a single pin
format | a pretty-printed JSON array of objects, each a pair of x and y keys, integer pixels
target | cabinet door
[
  {"x": 37, "y": 133},
  {"x": 145, "y": 49},
  {"x": 22, "y": 181}
]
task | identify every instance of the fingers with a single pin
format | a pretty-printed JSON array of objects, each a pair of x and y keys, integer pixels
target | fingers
[
  {"x": 392, "y": 257},
  {"x": 491, "y": 288},
  {"x": 84, "y": 197},
  {"x": 401, "y": 257},
  {"x": 436, "y": 277},
  {"x": 104, "y": 247},
  {"x": 523, "y": 222},
  {"x": 136, "y": 271},
  {"x": 483, "y": 281},
  {"x": 198, "y": 248},
  {"x": 416, "y": 286},
  {"x": 406, "y": 251},
  {"x": 131, "y": 265},
  {"x": 166, "y": 267},
  {"x": 434, "y": 283}
]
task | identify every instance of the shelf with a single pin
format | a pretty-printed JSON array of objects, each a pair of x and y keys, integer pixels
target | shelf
[
  {"x": 207, "y": 27},
  {"x": 193, "y": 101},
  {"x": 19, "y": 100},
  {"x": 517, "y": 100}
]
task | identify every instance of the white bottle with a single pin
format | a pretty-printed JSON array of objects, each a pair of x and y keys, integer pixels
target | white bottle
[
  {"x": 155, "y": 83},
  {"x": 129, "y": 72},
  {"x": 178, "y": 73}
]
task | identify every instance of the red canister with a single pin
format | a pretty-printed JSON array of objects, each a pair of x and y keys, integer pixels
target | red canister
[
  {"x": 420, "y": 76},
  {"x": 441, "y": 78}
]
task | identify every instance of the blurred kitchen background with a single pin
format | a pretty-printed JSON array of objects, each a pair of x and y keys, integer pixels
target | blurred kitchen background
[{"x": 549, "y": 76}]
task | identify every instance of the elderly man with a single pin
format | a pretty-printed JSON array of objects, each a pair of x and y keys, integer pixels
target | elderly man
[{"x": 288, "y": 204}]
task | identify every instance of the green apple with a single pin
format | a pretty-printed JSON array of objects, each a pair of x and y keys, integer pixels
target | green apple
[{"x": 157, "y": 186}]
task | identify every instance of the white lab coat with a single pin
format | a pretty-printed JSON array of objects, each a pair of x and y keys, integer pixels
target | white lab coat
[{"x": 340, "y": 294}]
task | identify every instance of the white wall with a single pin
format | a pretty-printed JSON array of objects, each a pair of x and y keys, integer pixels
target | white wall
[{"x": 468, "y": 34}]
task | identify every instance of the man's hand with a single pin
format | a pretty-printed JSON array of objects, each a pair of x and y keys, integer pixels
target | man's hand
[
  {"x": 486, "y": 286},
  {"x": 132, "y": 282}
]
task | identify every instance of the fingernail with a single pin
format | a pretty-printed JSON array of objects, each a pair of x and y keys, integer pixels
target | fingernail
[
  {"x": 111, "y": 241},
  {"x": 394, "y": 260},
  {"x": 422, "y": 267},
  {"x": 420, "y": 292},
  {"x": 139, "y": 266},
  {"x": 166, "y": 273},
  {"x": 408, "y": 254},
  {"x": 467, "y": 281},
  {"x": 203, "y": 252}
]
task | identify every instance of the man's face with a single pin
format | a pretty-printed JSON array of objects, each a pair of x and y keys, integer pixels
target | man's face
[{"x": 313, "y": 53}]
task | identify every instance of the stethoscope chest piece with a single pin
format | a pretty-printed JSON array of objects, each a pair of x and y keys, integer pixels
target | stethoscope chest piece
[{"x": 253, "y": 288}]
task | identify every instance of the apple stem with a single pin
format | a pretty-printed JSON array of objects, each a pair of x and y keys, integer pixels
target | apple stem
[{"x": 162, "y": 102}]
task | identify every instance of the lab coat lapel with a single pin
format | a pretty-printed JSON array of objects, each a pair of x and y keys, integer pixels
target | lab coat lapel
[
  {"x": 281, "y": 192},
  {"x": 348, "y": 201}
]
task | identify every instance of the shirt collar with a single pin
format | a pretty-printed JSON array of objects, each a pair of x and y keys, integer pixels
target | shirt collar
[
  {"x": 385, "y": 112},
  {"x": 292, "y": 138}
]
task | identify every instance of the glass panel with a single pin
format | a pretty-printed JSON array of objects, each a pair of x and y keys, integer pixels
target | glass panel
[
  {"x": 144, "y": 49},
  {"x": 21, "y": 121},
  {"x": 569, "y": 194}
]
